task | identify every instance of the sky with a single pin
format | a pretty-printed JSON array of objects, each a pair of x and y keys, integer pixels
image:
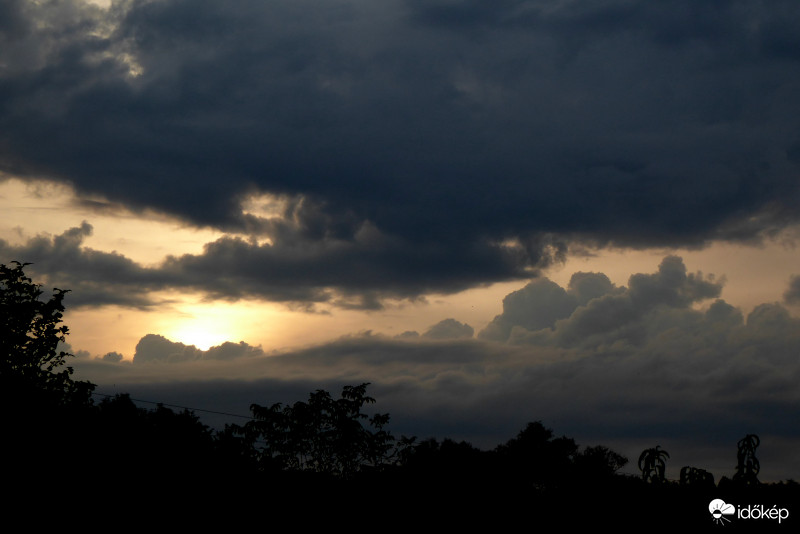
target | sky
[{"x": 583, "y": 213}]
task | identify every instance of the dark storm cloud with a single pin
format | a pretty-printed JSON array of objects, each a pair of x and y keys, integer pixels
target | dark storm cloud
[
  {"x": 92, "y": 277},
  {"x": 449, "y": 128},
  {"x": 369, "y": 264},
  {"x": 295, "y": 269}
]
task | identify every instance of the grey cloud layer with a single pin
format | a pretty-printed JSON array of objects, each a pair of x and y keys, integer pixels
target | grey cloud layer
[
  {"x": 93, "y": 277},
  {"x": 441, "y": 129},
  {"x": 348, "y": 274},
  {"x": 624, "y": 366}
]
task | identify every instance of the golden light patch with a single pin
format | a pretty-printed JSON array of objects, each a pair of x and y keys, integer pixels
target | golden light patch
[
  {"x": 206, "y": 324},
  {"x": 40, "y": 207},
  {"x": 201, "y": 334}
]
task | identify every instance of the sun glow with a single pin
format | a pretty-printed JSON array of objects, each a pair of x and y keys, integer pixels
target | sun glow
[
  {"x": 199, "y": 334},
  {"x": 194, "y": 320},
  {"x": 208, "y": 324}
]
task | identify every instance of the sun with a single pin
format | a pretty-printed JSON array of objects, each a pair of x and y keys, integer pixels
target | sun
[
  {"x": 201, "y": 335},
  {"x": 205, "y": 324}
]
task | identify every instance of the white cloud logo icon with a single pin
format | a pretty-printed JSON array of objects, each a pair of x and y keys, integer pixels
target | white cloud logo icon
[{"x": 720, "y": 508}]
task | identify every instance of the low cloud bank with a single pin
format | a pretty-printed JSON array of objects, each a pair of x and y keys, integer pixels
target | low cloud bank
[{"x": 661, "y": 361}]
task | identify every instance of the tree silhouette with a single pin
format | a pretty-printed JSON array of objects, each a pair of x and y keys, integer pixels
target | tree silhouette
[
  {"x": 598, "y": 463},
  {"x": 30, "y": 363},
  {"x": 536, "y": 458},
  {"x": 174, "y": 447},
  {"x": 324, "y": 435},
  {"x": 652, "y": 464},
  {"x": 747, "y": 467},
  {"x": 45, "y": 411}
]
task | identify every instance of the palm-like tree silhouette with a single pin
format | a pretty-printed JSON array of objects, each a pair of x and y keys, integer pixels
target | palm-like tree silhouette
[
  {"x": 748, "y": 466},
  {"x": 652, "y": 464}
]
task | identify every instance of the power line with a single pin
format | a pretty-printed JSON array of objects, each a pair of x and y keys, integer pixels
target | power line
[{"x": 178, "y": 406}]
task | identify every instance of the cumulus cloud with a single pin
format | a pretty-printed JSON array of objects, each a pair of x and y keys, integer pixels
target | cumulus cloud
[
  {"x": 473, "y": 139},
  {"x": 114, "y": 357},
  {"x": 449, "y": 329},
  {"x": 156, "y": 348},
  {"x": 538, "y": 305},
  {"x": 792, "y": 294},
  {"x": 593, "y": 312}
]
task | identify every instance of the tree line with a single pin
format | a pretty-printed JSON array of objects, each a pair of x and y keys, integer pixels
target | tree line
[{"x": 325, "y": 453}]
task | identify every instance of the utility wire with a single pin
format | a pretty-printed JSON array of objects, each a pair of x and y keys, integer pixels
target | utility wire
[{"x": 177, "y": 406}]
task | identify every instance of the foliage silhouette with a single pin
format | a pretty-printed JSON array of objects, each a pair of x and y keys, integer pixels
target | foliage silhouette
[
  {"x": 30, "y": 362},
  {"x": 541, "y": 459},
  {"x": 652, "y": 464},
  {"x": 323, "y": 435},
  {"x": 447, "y": 462},
  {"x": 175, "y": 448},
  {"x": 44, "y": 408},
  {"x": 599, "y": 463}
]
